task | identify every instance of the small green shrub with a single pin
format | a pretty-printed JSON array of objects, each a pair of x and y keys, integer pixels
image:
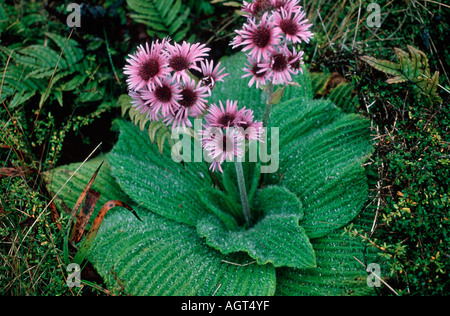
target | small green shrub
[{"x": 412, "y": 160}]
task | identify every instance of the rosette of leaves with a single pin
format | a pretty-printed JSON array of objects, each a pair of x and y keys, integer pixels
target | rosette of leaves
[{"x": 192, "y": 239}]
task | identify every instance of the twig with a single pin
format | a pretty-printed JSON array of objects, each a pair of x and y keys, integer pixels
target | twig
[
  {"x": 357, "y": 25},
  {"x": 51, "y": 78},
  {"x": 378, "y": 277},
  {"x": 4, "y": 73},
  {"x": 325, "y": 30},
  {"x": 439, "y": 3},
  {"x": 218, "y": 287},
  {"x": 238, "y": 264}
]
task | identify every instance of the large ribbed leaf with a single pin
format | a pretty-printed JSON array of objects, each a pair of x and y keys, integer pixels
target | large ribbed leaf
[
  {"x": 162, "y": 257},
  {"x": 321, "y": 161},
  {"x": 104, "y": 183},
  {"x": 339, "y": 268},
  {"x": 275, "y": 238},
  {"x": 157, "y": 256},
  {"x": 159, "y": 183}
]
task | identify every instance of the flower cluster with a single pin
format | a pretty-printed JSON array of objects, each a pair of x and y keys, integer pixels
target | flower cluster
[
  {"x": 273, "y": 28},
  {"x": 226, "y": 130},
  {"x": 162, "y": 86}
]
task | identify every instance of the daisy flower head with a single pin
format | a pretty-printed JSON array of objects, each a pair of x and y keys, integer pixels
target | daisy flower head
[
  {"x": 288, "y": 5},
  {"x": 295, "y": 60},
  {"x": 293, "y": 25},
  {"x": 249, "y": 128},
  {"x": 222, "y": 145},
  {"x": 164, "y": 98},
  {"x": 211, "y": 74},
  {"x": 183, "y": 57},
  {"x": 147, "y": 67},
  {"x": 256, "y": 8},
  {"x": 254, "y": 71},
  {"x": 219, "y": 116},
  {"x": 258, "y": 38},
  {"x": 279, "y": 67},
  {"x": 191, "y": 104},
  {"x": 138, "y": 102}
]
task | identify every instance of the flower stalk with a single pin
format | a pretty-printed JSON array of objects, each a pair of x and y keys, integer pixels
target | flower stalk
[
  {"x": 269, "y": 92},
  {"x": 243, "y": 191}
]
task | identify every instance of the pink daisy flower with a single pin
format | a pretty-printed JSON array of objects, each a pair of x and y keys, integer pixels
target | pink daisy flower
[
  {"x": 222, "y": 146},
  {"x": 278, "y": 66},
  {"x": 192, "y": 103},
  {"x": 259, "y": 38},
  {"x": 164, "y": 98},
  {"x": 295, "y": 60},
  {"x": 147, "y": 67},
  {"x": 293, "y": 25},
  {"x": 288, "y": 5},
  {"x": 254, "y": 71},
  {"x": 184, "y": 57},
  {"x": 140, "y": 104},
  {"x": 256, "y": 8},
  {"x": 224, "y": 117},
  {"x": 249, "y": 128},
  {"x": 211, "y": 75}
]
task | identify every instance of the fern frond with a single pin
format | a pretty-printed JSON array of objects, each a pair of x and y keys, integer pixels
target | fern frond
[
  {"x": 41, "y": 56},
  {"x": 163, "y": 17},
  {"x": 385, "y": 66},
  {"x": 412, "y": 67},
  {"x": 72, "y": 53},
  {"x": 158, "y": 132}
]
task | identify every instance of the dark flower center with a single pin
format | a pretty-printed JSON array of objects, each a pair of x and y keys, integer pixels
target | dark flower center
[
  {"x": 261, "y": 37},
  {"x": 149, "y": 69},
  {"x": 188, "y": 99},
  {"x": 260, "y": 6},
  {"x": 296, "y": 65},
  {"x": 279, "y": 62},
  {"x": 244, "y": 125},
  {"x": 227, "y": 119},
  {"x": 289, "y": 27},
  {"x": 179, "y": 63},
  {"x": 227, "y": 141},
  {"x": 256, "y": 71},
  {"x": 163, "y": 94},
  {"x": 207, "y": 82},
  {"x": 279, "y": 4}
]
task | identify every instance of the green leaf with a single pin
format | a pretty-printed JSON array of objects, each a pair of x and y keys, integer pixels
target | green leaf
[
  {"x": 321, "y": 157},
  {"x": 104, "y": 182},
  {"x": 156, "y": 256},
  {"x": 162, "y": 257},
  {"x": 219, "y": 204},
  {"x": 276, "y": 238},
  {"x": 159, "y": 183},
  {"x": 163, "y": 17},
  {"x": 338, "y": 271},
  {"x": 385, "y": 66},
  {"x": 277, "y": 95}
]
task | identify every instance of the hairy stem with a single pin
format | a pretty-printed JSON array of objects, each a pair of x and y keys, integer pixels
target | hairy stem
[
  {"x": 268, "y": 110},
  {"x": 243, "y": 191}
]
